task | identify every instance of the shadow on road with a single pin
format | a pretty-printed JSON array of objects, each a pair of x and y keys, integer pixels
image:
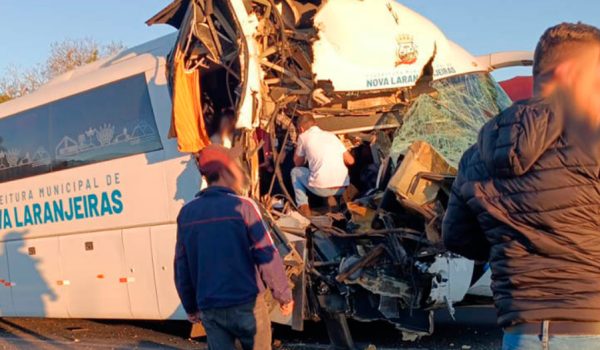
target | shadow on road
[
  {"x": 474, "y": 327},
  {"x": 13, "y": 330}
]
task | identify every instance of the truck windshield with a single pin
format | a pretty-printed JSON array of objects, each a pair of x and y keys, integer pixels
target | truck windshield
[{"x": 450, "y": 117}]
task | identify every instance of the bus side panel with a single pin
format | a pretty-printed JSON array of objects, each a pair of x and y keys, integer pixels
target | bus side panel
[
  {"x": 140, "y": 273},
  {"x": 182, "y": 176},
  {"x": 163, "y": 252},
  {"x": 6, "y": 305},
  {"x": 35, "y": 270},
  {"x": 183, "y": 182},
  {"x": 160, "y": 98},
  {"x": 93, "y": 266}
]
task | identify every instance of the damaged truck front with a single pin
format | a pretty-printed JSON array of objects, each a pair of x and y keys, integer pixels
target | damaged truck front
[{"x": 406, "y": 101}]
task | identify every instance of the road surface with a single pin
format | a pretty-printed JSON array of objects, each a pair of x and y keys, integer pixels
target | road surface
[{"x": 474, "y": 329}]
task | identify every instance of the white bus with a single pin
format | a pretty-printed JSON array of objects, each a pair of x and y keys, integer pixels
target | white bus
[{"x": 90, "y": 188}]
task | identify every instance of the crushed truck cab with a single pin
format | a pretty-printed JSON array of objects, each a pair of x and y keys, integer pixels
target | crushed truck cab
[{"x": 405, "y": 100}]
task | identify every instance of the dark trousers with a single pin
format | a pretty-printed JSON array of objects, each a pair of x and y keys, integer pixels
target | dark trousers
[{"x": 249, "y": 323}]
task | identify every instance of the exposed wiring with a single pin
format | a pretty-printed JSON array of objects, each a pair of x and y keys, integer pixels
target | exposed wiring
[{"x": 279, "y": 156}]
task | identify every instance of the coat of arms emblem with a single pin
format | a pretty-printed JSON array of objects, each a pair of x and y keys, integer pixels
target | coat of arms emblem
[{"x": 407, "y": 51}]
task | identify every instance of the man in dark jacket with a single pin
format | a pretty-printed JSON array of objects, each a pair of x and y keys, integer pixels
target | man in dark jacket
[
  {"x": 527, "y": 198},
  {"x": 225, "y": 259}
]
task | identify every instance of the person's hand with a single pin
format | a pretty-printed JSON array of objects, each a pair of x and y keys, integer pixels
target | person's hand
[
  {"x": 194, "y": 318},
  {"x": 287, "y": 308}
]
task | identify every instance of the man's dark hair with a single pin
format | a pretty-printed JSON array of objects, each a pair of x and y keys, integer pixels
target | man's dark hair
[
  {"x": 211, "y": 178},
  {"x": 306, "y": 121},
  {"x": 228, "y": 113},
  {"x": 557, "y": 44}
]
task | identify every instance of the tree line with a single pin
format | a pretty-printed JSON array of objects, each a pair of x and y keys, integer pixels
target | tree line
[{"x": 64, "y": 56}]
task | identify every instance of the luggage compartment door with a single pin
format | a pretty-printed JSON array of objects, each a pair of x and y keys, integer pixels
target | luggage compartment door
[
  {"x": 6, "y": 305},
  {"x": 35, "y": 270},
  {"x": 140, "y": 273},
  {"x": 94, "y": 275},
  {"x": 163, "y": 252}
]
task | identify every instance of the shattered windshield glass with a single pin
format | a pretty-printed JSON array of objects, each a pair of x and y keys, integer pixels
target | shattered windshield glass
[{"x": 450, "y": 118}]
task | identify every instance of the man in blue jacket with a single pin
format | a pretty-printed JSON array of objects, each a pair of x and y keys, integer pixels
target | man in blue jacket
[{"x": 225, "y": 259}]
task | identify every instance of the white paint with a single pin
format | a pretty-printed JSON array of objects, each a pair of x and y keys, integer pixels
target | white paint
[
  {"x": 139, "y": 273},
  {"x": 483, "y": 285},
  {"x": 455, "y": 278},
  {"x": 169, "y": 305},
  {"x": 62, "y": 278},
  {"x": 360, "y": 42},
  {"x": 251, "y": 100},
  {"x": 36, "y": 277},
  {"x": 505, "y": 59}
]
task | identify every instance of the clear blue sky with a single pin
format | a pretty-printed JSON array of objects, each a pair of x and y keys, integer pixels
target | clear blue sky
[
  {"x": 481, "y": 26},
  {"x": 484, "y": 26},
  {"x": 28, "y": 27}
]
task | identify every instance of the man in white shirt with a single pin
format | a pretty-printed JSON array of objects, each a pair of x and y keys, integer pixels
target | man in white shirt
[{"x": 327, "y": 158}]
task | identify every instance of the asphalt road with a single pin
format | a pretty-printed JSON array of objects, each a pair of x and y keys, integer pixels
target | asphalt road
[{"x": 474, "y": 329}]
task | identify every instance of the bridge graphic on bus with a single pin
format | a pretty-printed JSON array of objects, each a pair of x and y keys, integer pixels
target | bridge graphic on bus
[
  {"x": 94, "y": 139},
  {"x": 12, "y": 158},
  {"x": 93, "y": 143}
]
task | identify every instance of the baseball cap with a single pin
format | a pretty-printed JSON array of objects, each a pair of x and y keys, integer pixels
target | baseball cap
[{"x": 213, "y": 159}]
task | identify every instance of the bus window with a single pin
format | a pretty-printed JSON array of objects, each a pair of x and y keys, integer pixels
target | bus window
[
  {"x": 107, "y": 122},
  {"x": 25, "y": 144}
]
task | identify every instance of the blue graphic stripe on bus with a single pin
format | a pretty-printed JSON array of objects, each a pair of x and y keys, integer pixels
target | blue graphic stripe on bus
[{"x": 61, "y": 210}]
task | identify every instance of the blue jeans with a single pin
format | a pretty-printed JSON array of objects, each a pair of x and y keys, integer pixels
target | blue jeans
[
  {"x": 249, "y": 323},
  {"x": 300, "y": 176},
  {"x": 516, "y": 341}
]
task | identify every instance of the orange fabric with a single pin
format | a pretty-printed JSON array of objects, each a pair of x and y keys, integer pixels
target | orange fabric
[{"x": 187, "y": 122}]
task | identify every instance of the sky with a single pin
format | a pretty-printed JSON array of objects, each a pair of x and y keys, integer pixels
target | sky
[
  {"x": 28, "y": 27},
  {"x": 485, "y": 26}
]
